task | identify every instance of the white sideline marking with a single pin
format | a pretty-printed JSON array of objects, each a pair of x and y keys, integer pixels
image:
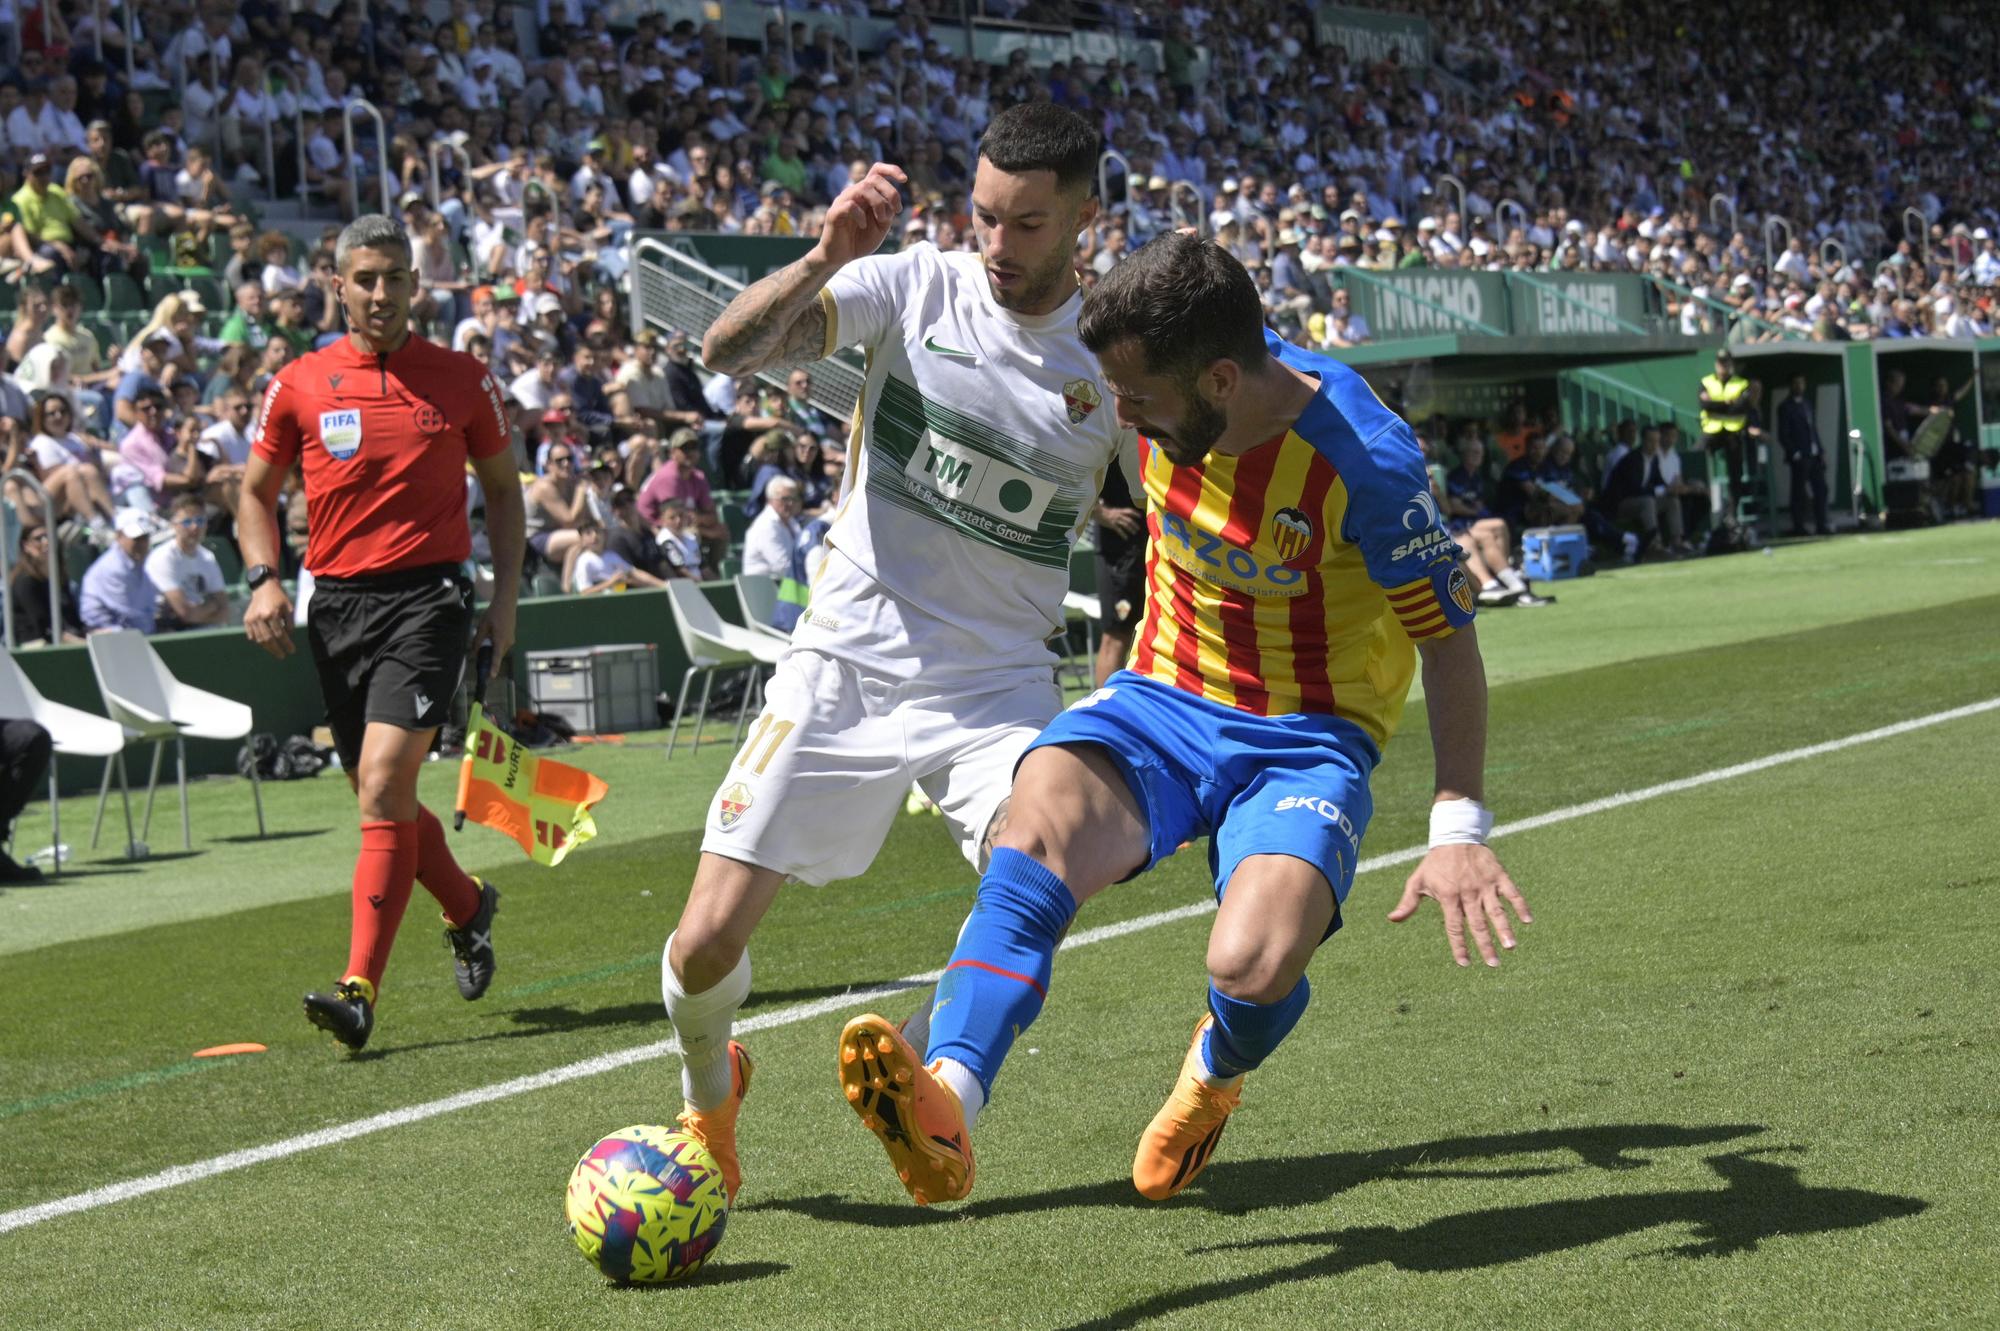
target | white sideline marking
[{"x": 222, "y": 1164}]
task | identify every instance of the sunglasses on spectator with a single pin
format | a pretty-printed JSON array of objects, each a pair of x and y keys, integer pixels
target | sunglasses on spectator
[
  {"x": 560, "y": 459},
  {"x": 191, "y": 523}
]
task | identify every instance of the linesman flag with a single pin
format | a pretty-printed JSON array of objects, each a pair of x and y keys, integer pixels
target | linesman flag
[{"x": 542, "y": 804}]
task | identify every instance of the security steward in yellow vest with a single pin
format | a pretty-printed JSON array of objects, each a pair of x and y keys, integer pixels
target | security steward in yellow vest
[{"x": 1725, "y": 412}]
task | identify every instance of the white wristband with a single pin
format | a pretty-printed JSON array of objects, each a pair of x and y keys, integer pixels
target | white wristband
[{"x": 1460, "y": 823}]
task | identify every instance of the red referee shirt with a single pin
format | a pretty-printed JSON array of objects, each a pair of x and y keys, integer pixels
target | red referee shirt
[{"x": 384, "y": 440}]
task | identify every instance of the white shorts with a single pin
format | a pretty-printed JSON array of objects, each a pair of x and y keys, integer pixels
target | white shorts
[{"x": 828, "y": 764}]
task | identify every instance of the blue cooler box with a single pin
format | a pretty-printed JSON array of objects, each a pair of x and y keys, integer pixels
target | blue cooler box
[{"x": 1549, "y": 553}]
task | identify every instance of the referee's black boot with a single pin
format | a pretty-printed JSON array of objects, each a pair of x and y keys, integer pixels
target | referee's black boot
[
  {"x": 347, "y": 1014},
  {"x": 472, "y": 945}
]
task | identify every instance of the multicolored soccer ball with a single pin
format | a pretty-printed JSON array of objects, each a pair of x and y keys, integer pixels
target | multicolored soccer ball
[{"x": 647, "y": 1205}]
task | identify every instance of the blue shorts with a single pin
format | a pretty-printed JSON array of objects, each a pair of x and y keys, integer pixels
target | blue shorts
[{"x": 1255, "y": 785}]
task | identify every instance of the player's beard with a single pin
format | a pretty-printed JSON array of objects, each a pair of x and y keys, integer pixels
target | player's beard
[
  {"x": 1048, "y": 285},
  {"x": 1199, "y": 429}
]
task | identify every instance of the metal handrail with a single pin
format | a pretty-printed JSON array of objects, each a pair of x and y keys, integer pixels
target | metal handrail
[
  {"x": 1104, "y": 159},
  {"x": 1923, "y": 232},
  {"x": 1837, "y": 247},
  {"x": 215, "y": 77},
  {"x": 97, "y": 31},
  {"x": 1458, "y": 185},
  {"x": 1721, "y": 202},
  {"x": 299, "y": 142},
  {"x": 1771, "y": 252},
  {"x": 438, "y": 149},
  {"x": 131, "y": 41},
  {"x": 1200, "y": 220},
  {"x": 28, "y": 479},
  {"x": 1391, "y": 289},
  {"x": 1500, "y": 216},
  {"x": 270, "y": 145},
  {"x": 1721, "y": 307},
  {"x": 367, "y": 108},
  {"x": 1568, "y": 299}
]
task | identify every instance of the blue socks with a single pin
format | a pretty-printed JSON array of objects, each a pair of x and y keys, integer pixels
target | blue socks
[
  {"x": 998, "y": 976},
  {"x": 1244, "y": 1034}
]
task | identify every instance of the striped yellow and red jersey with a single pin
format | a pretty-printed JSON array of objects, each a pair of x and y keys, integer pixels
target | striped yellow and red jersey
[{"x": 1296, "y": 577}]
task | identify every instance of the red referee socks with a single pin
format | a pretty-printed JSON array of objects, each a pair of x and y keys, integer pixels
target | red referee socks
[
  {"x": 383, "y": 874},
  {"x": 440, "y": 874}
]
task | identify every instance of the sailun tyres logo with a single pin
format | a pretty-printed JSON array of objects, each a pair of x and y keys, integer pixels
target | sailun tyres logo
[{"x": 1422, "y": 512}]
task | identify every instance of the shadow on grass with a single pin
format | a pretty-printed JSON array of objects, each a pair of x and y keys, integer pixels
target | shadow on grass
[
  {"x": 1759, "y": 1200},
  {"x": 1238, "y": 1187},
  {"x": 251, "y": 838},
  {"x": 712, "y": 1274}
]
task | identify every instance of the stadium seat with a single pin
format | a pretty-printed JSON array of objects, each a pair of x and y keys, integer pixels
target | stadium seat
[
  {"x": 72, "y": 731},
  {"x": 10, "y": 297},
  {"x": 143, "y": 696},
  {"x": 122, "y": 293},
  {"x": 712, "y": 645},
  {"x": 87, "y": 287},
  {"x": 757, "y": 599}
]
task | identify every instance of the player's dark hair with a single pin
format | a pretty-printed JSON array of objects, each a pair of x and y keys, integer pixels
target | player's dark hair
[
  {"x": 1041, "y": 136},
  {"x": 1187, "y": 302}
]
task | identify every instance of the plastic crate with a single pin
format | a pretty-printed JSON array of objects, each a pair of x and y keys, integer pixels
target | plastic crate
[
  {"x": 1549, "y": 553},
  {"x": 598, "y": 690}
]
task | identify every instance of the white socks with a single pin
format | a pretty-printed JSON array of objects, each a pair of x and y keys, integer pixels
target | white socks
[
  {"x": 703, "y": 1022},
  {"x": 971, "y": 1096},
  {"x": 1512, "y": 579}
]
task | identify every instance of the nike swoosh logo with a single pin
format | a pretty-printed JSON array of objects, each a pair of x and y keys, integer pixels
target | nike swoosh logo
[{"x": 931, "y": 344}]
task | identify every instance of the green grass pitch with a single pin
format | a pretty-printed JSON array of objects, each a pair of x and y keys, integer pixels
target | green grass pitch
[{"x": 1740, "y": 1071}]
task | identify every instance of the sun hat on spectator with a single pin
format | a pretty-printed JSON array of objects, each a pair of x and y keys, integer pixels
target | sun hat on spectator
[
  {"x": 134, "y": 523},
  {"x": 548, "y": 303},
  {"x": 1428, "y": 224},
  {"x": 505, "y": 295},
  {"x": 1228, "y": 186},
  {"x": 1156, "y": 182},
  {"x": 685, "y": 437},
  {"x": 1981, "y": 233}
]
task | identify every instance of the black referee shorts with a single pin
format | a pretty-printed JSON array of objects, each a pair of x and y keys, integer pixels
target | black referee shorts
[
  {"x": 389, "y": 647},
  {"x": 1121, "y": 584}
]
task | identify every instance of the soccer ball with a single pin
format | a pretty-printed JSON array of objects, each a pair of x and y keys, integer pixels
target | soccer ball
[{"x": 647, "y": 1205}]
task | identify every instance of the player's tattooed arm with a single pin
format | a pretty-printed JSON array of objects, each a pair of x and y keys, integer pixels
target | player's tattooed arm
[{"x": 774, "y": 323}]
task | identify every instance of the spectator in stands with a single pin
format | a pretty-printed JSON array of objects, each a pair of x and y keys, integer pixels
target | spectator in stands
[
  {"x": 246, "y": 325},
  {"x": 225, "y": 448},
  {"x": 556, "y": 501},
  {"x": 771, "y": 546},
  {"x": 149, "y": 377},
  {"x": 642, "y": 395},
  {"x": 117, "y": 594},
  {"x": 535, "y": 388},
  {"x": 778, "y": 453},
  {"x": 1481, "y": 533},
  {"x": 597, "y": 568},
  {"x": 798, "y": 409},
  {"x": 89, "y": 378},
  {"x": 682, "y": 478},
  {"x": 186, "y": 573},
  {"x": 628, "y": 536},
  {"x": 54, "y": 235},
  {"x": 69, "y": 465},
  {"x": 754, "y": 417},
  {"x": 151, "y": 470},
  {"x": 679, "y": 545},
  {"x": 37, "y": 563},
  {"x": 112, "y": 253},
  {"x": 1644, "y": 492}
]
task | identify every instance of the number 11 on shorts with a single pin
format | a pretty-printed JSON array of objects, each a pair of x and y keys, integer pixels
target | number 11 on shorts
[{"x": 768, "y": 732}]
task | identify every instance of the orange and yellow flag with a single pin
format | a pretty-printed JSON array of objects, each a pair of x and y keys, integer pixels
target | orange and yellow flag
[{"x": 542, "y": 804}]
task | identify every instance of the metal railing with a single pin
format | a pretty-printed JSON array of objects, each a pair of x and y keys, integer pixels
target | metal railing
[
  {"x": 1458, "y": 187},
  {"x": 1721, "y": 203},
  {"x": 1729, "y": 314},
  {"x": 1104, "y": 161},
  {"x": 1920, "y": 235},
  {"x": 131, "y": 41},
  {"x": 1772, "y": 250},
  {"x": 299, "y": 142},
  {"x": 368, "y": 109},
  {"x": 672, "y": 290},
  {"x": 1518, "y": 209},
  {"x": 27, "y": 479},
  {"x": 1839, "y": 260},
  {"x": 439, "y": 150},
  {"x": 1180, "y": 189}
]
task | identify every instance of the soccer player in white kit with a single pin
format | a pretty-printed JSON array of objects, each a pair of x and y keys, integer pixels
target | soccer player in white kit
[{"x": 923, "y": 657}]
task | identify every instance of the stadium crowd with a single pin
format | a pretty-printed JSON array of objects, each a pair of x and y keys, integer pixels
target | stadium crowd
[{"x": 150, "y": 304}]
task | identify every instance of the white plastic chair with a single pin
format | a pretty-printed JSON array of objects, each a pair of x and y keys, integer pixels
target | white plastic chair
[
  {"x": 757, "y": 599},
  {"x": 1088, "y": 608},
  {"x": 144, "y": 697},
  {"x": 713, "y": 645},
  {"x": 76, "y": 733}
]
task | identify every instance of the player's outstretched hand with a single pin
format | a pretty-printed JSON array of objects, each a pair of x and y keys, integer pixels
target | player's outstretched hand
[
  {"x": 1468, "y": 885},
  {"x": 859, "y": 220}
]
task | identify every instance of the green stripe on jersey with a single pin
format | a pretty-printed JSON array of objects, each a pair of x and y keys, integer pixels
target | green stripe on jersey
[{"x": 944, "y": 465}]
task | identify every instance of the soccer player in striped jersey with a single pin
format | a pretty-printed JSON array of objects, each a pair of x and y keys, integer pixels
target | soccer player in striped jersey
[{"x": 1297, "y": 570}]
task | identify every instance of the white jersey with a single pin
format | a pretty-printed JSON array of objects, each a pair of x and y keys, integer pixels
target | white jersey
[{"x": 983, "y": 437}]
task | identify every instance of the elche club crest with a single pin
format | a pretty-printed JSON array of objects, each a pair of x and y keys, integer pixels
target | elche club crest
[
  {"x": 1291, "y": 534},
  {"x": 1080, "y": 398},
  {"x": 732, "y": 803}
]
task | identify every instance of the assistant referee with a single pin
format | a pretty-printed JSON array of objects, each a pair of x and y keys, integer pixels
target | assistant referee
[{"x": 384, "y": 423}]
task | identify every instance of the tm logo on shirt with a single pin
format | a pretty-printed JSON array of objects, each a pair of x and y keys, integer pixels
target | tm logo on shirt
[
  {"x": 340, "y": 431},
  {"x": 1005, "y": 495}
]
